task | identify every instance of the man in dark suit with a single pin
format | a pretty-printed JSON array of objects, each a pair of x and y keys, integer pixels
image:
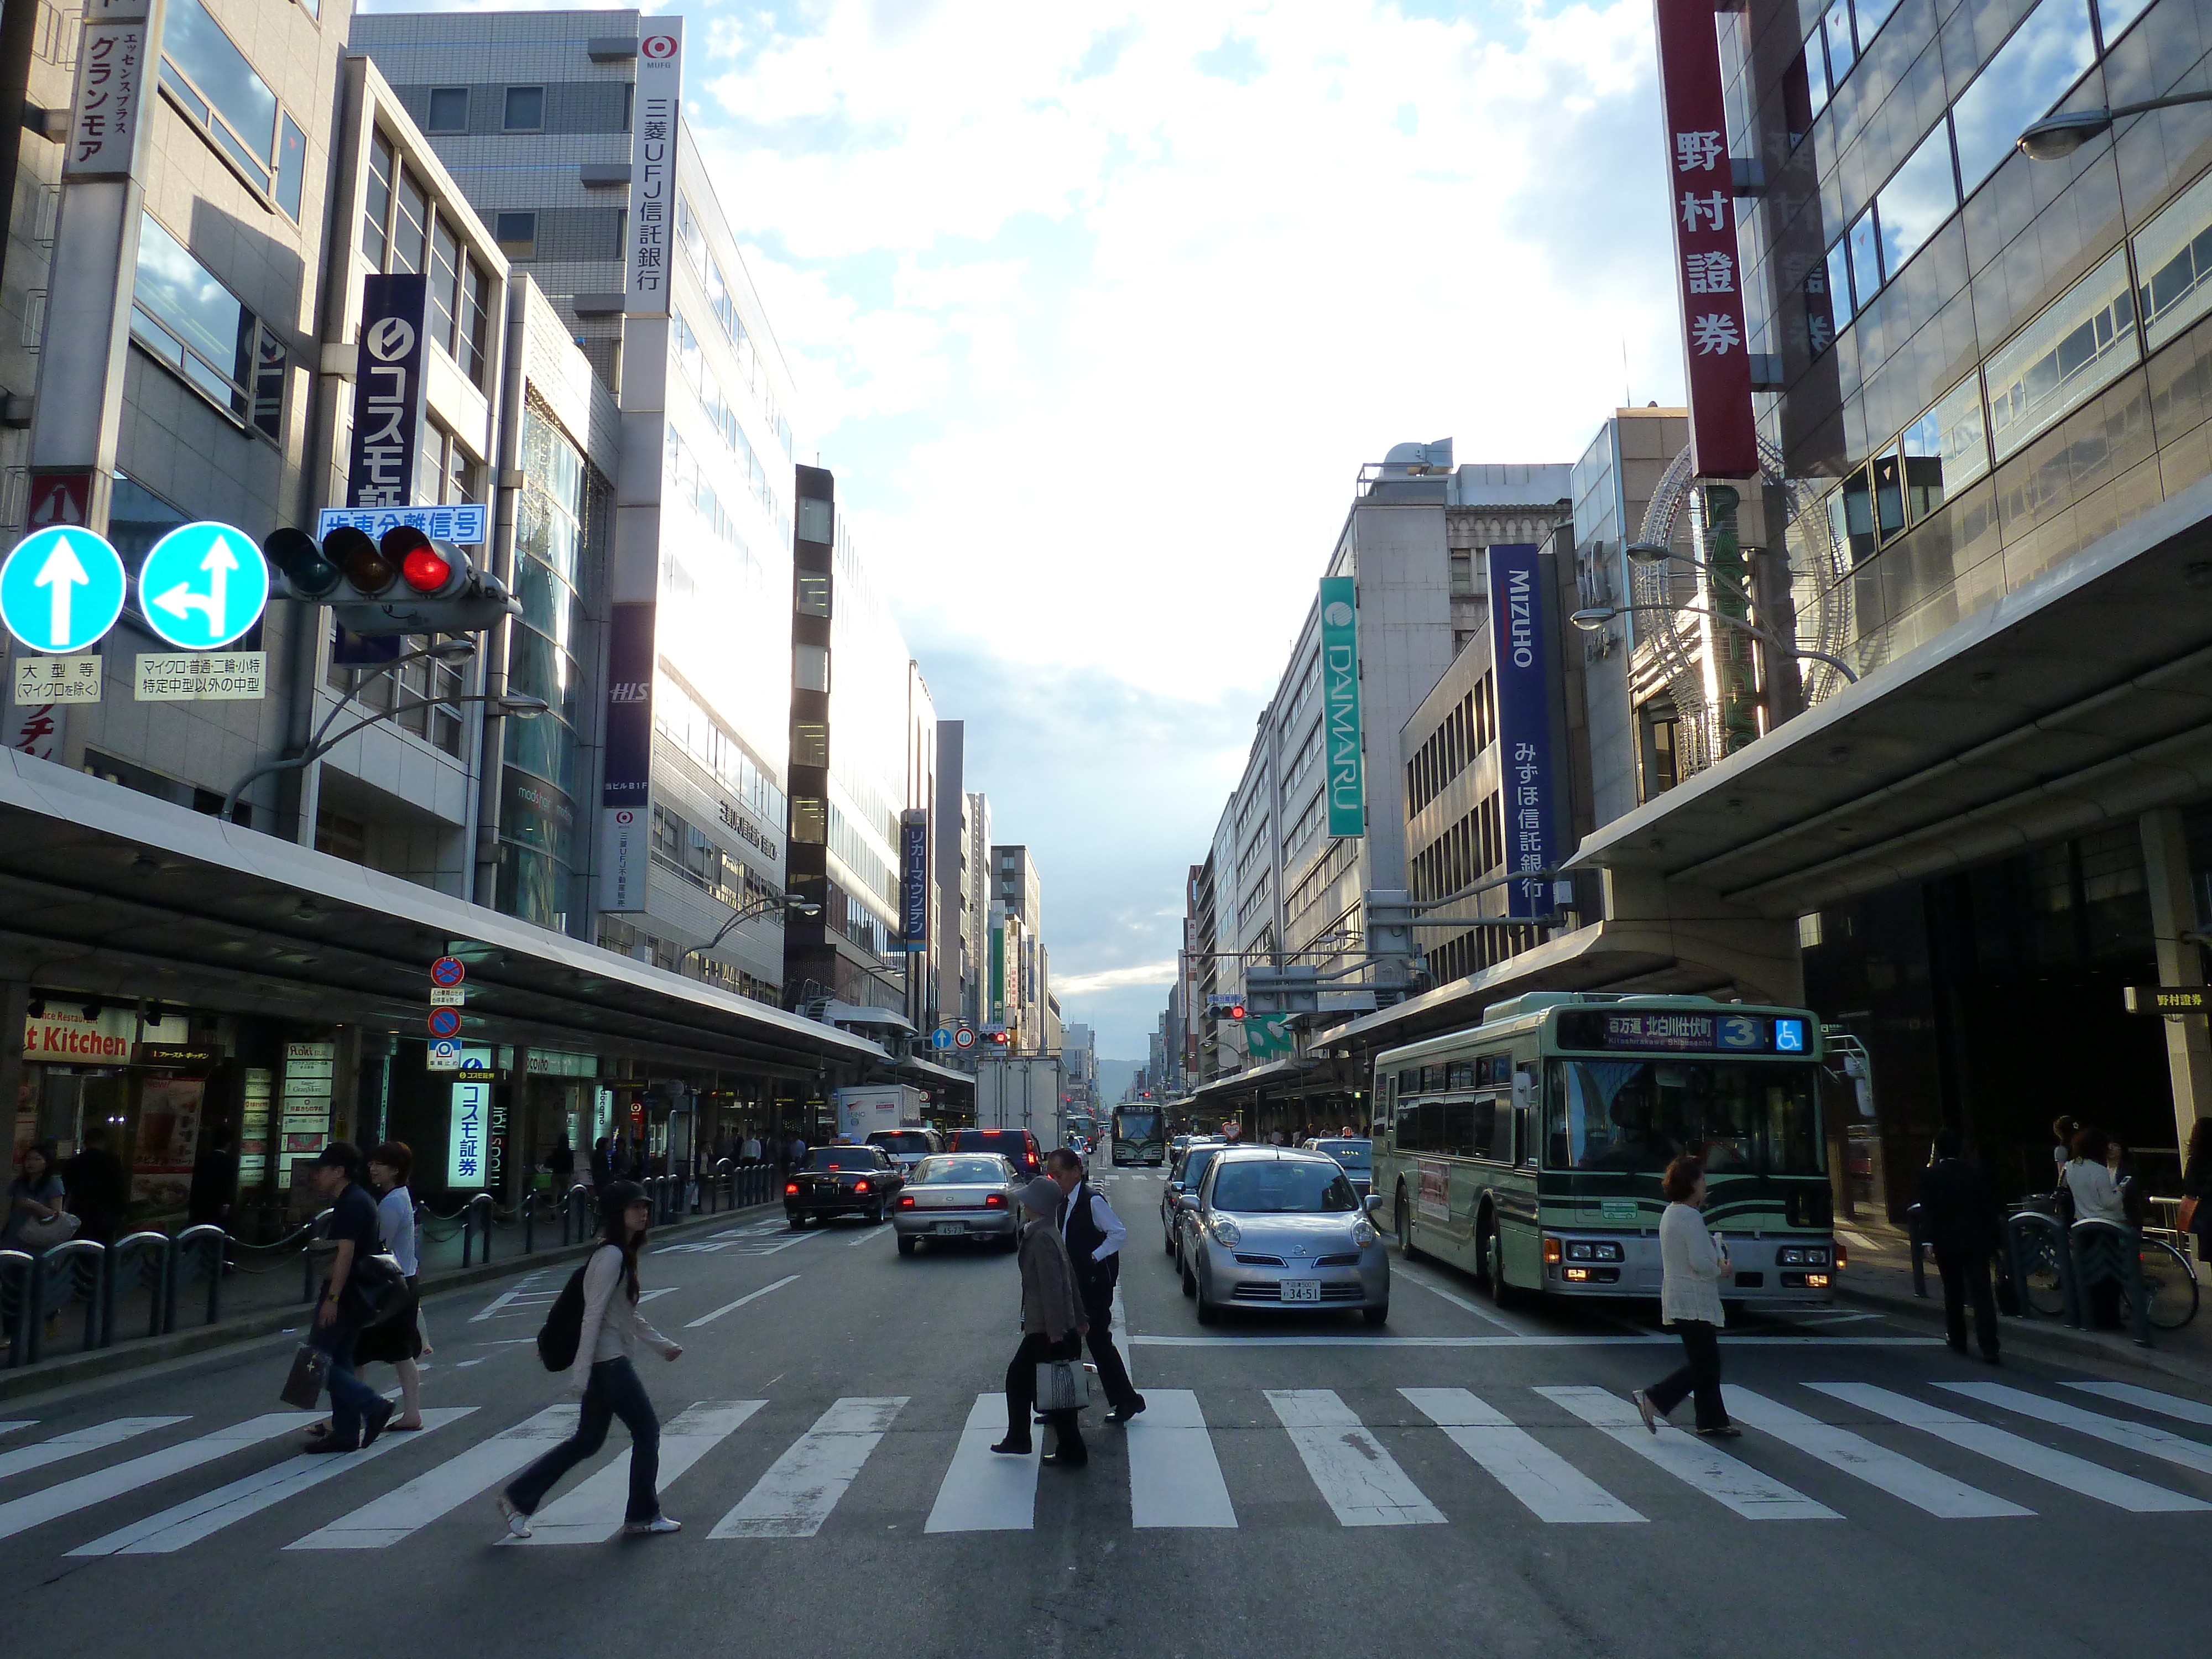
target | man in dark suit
[
  {"x": 1959, "y": 1218},
  {"x": 99, "y": 1191}
]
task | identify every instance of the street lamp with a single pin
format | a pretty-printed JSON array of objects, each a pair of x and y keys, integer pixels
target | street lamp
[
  {"x": 1592, "y": 620},
  {"x": 752, "y": 912},
  {"x": 2054, "y": 139},
  {"x": 498, "y": 706}
]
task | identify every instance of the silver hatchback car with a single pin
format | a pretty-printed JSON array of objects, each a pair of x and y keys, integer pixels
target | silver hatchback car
[
  {"x": 1277, "y": 1228},
  {"x": 958, "y": 1197}
]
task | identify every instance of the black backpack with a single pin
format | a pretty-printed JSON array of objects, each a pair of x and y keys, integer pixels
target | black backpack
[{"x": 563, "y": 1329}]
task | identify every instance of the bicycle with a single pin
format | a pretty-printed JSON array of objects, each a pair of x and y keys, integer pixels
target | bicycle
[{"x": 2170, "y": 1293}]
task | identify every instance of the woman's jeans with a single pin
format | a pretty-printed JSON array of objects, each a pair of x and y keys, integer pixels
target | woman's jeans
[
  {"x": 1700, "y": 1372},
  {"x": 614, "y": 1391},
  {"x": 1021, "y": 1392}
]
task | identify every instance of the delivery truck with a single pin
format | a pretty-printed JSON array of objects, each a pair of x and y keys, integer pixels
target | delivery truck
[
  {"x": 863, "y": 1112},
  {"x": 1022, "y": 1092}
]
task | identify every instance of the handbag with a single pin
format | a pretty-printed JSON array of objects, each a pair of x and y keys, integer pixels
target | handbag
[
  {"x": 304, "y": 1386},
  {"x": 381, "y": 1285},
  {"x": 1062, "y": 1385},
  {"x": 43, "y": 1235}
]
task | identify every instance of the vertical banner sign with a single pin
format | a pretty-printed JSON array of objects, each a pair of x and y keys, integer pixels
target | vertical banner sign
[
  {"x": 626, "y": 783},
  {"x": 465, "y": 1139},
  {"x": 111, "y": 92},
  {"x": 1340, "y": 692},
  {"x": 387, "y": 407},
  {"x": 1723, "y": 441},
  {"x": 914, "y": 879},
  {"x": 1518, "y": 650},
  {"x": 999, "y": 975},
  {"x": 653, "y": 164}
]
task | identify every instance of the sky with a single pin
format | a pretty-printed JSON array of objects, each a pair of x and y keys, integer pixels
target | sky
[{"x": 1096, "y": 310}]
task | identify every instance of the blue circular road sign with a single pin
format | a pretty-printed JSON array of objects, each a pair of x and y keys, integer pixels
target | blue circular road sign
[
  {"x": 61, "y": 589},
  {"x": 202, "y": 586},
  {"x": 941, "y": 1037},
  {"x": 445, "y": 1022},
  {"x": 448, "y": 971}
]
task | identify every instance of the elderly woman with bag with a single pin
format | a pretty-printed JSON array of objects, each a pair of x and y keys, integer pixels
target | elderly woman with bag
[
  {"x": 1692, "y": 1264},
  {"x": 1053, "y": 1327}
]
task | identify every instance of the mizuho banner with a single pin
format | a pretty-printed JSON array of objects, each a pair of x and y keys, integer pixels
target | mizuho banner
[
  {"x": 1340, "y": 693},
  {"x": 1524, "y": 722}
]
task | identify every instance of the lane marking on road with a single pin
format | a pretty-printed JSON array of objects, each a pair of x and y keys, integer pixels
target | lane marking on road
[
  {"x": 1459, "y": 1301},
  {"x": 210, "y": 1512},
  {"x": 1175, "y": 1479},
  {"x": 2002, "y": 1446},
  {"x": 2118, "y": 1431},
  {"x": 2150, "y": 1400},
  {"x": 1552, "y": 1488},
  {"x": 20, "y": 1423},
  {"x": 732, "y": 1307},
  {"x": 1526, "y": 1341},
  {"x": 406, "y": 1510},
  {"x": 80, "y": 1440},
  {"x": 525, "y": 1286},
  {"x": 1858, "y": 1241},
  {"x": 800, "y": 1238},
  {"x": 35, "y": 1508},
  {"x": 984, "y": 1491},
  {"x": 1877, "y": 1465},
  {"x": 1696, "y": 1463},
  {"x": 801, "y": 1488},
  {"x": 593, "y": 1512},
  {"x": 663, "y": 1289},
  {"x": 1357, "y": 1478},
  {"x": 869, "y": 1237}
]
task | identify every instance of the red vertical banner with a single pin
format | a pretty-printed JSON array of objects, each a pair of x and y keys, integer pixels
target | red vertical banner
[{"x": 1723, "y": 440}]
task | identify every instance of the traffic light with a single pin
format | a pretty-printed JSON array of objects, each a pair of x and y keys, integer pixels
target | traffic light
[
  {"x": 999, "y": 1039},
  {"x": 400, "y": 583}
]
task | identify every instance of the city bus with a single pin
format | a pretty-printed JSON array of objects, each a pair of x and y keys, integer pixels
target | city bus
[
  {"x": 1528, "y": 1150},
  {"x": 1141, "y": 1134}
]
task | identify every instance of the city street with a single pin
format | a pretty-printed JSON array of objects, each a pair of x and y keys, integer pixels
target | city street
[{"x": 1463, "y": 1480}]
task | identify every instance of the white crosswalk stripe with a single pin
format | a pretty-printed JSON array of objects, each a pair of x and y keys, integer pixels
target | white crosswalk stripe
[
  {"x": 2150, "y": 1400},
  {"x": 2114, "y": 1430},
  {"x": 1358, "y": 1479},
  {"x": 1698, "y": 1463},
  {"x": 210, "y": 1512},
  {"x": 593, "y": 1511},
  {"x": 2003, "y": 1446},
  {"x": 19, "y": 1423},
  {"x": 984, "y": 1491},
  {"x": 24, "y": 1459},
  {"x": 801, "y": 1488},
  {"x": 35, "y": 1509},
  {"x": 1878, "y": 1465},
  {"x": 1175, "y": 1479},
  {"x": 386, "y": 1519},
  {"x": 1552, "y": 1488}
]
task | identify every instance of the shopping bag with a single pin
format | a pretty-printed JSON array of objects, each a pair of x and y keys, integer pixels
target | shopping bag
[
  {"x": 1062, "y": 1385},
  {"x": 303, "y": 1388}
]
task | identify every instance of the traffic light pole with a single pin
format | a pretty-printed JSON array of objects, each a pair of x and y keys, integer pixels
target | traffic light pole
[{"x": 524, "y": 708}]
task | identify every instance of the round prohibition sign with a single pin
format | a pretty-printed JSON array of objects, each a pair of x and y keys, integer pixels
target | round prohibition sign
[
  {"x": 447, "y": 972},
  {"x": 963, "y": 1038},
  {"x": 445, "y": 1022}
]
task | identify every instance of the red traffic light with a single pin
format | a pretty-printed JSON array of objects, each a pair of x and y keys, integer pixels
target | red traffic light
[
  {"x": 1236, "y": 1010},
  {"x": 425, "y": 569}
]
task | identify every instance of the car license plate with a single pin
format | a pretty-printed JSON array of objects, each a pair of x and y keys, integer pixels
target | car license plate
[
  {"x": 1302, "y": 1289},
  {"x": 952, "y": 1227}
]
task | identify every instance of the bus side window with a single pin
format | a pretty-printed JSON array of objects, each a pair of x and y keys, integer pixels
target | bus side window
[
  {"x": 1457, "y": 1136},
  {"x": 1409, "y": 1129},
  {"x": 1484, "y": 1131},
  {"x": 1524, "y": 1135}
]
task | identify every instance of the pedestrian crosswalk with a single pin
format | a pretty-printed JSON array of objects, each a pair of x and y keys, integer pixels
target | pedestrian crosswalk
[{"x": 1560, "y": 1453}]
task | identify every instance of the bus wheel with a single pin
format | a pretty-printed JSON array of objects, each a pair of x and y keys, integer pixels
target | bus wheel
[
  {"x": 1494, "y": 1266},
  {"x": 1405, "y": 1219}
]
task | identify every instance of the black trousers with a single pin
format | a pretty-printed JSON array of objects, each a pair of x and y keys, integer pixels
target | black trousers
[
  {"x": 614, "y": 1390},
  {"x": 1699, "y": 1373},
  {"x": 1021, "y": 1393},
  {"x": 1097, "y": 1296},
  {"x": 1967, "y": 1274}
]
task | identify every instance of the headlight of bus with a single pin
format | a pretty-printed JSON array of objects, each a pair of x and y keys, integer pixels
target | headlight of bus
[
  {"x": 1223, "y": 1231},
  {"x": 1364, "y": 1234}
]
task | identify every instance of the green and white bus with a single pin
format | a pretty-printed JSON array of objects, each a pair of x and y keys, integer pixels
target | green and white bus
[{"x": 1528, "y": 1150}]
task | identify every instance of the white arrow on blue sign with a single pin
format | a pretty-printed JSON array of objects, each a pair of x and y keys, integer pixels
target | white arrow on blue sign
[
  {"x": 202, "y": 586},
  {"x": 61, "y": 589},
  {"x": 941, "y": 1037}
]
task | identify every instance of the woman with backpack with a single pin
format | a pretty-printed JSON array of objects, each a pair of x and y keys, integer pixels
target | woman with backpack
[{"x": 604, "y": 1374}]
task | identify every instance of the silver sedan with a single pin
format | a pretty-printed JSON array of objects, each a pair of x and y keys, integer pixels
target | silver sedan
[
  {"x": 959, "y": 1196},
  {"x": 1275, "y": 1228}
]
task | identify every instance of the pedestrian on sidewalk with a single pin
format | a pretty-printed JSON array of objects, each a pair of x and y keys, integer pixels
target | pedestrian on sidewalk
[
  {"x": 2090, "y": 1183},
  {"x": 604, "y": 1375},
  {"x": 1094, "y": 1235},
  {"x": 2062, "y": 1129},
  {"x": 561, "y": 1165},
  {"x": 99, "y": 1190},
  {"x": 2197, "y": 1187},
  {"x": 397, "y": 1341},
  {"x": 1691, "y": 1266},
  {"x": 36, "y": 1199},
  {"x": 1053, "y": 1327},
  {"x": 358, "y": 1413},
  {"x": 1959, "y": 1218},
  {"x": 215, "y": 1181}
]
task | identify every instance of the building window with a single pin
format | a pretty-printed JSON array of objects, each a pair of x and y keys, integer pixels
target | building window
[
  {"x": 2018, "y": 87},
  {"x": 2173, "y": 261},
  {"x": 813, "y": 591},
  {"x": 183, "y": 315},
  {"x": 1808, "y": 931},
  {"x": 411, "y": 224},
  {"x": 211, "y": 80},
  {"x": 1661, "y": 754},
  {"x": 449, "y": 110},
  {"x": 810, "y": 743},
  {"x": 517, "y": 235},
  {"x": 2075, "y": 349},
  {"x": 1462, "y": 574},
  {"x": 814, "y": 519},
  {"x": 525, "y": 109},
  {"x": 376, "y": 203},
  {"x": 291, "y": 166},
  {"x": 810, "y": 667},
  {"x": 809, "y": 819},
  {"x": 1918, "y": 198}
]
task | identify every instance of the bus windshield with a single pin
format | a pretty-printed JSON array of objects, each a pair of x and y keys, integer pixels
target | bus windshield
[
  {"x": 1743, "y": 1117},
  {"x": 1136, "y": 1126}
]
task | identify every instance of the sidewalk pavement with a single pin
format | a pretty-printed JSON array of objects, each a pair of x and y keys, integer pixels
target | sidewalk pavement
[
  {"x": 273, "y": 1291},
  {"x": 1881, "y": 1277}
]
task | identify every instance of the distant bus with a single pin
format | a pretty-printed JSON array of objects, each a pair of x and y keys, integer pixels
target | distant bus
[
  {"x": 1528, "y": 1150},
  {"x": 1141, "y": 1134}
]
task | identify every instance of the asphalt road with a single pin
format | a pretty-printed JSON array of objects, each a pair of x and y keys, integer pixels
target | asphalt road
[{"x": 1299, "y": 1486}]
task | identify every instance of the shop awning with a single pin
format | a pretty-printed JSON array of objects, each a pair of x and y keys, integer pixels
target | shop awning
[
  {"x": 103, "y": 889},
  {"x": 931, "y": 1074}
]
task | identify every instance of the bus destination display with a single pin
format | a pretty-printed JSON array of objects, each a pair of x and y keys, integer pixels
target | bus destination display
[{"x": 1672, "y": 1031}]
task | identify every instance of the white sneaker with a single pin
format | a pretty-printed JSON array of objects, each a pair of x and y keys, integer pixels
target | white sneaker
[
  {"x": 518, "y": 1524},
  {"x": 659, "y": 1524}
]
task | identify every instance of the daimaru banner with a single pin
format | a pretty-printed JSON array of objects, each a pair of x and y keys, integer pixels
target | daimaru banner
[
  {"x": 1524, "y": 722},
  {"x": 1340, "y": 692}
]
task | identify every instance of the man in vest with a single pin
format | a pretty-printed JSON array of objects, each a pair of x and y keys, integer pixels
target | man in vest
[{"x": 1094, "y": 1235}]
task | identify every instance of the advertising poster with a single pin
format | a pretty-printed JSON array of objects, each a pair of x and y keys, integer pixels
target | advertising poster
[{"x": 168, "y": 1140}]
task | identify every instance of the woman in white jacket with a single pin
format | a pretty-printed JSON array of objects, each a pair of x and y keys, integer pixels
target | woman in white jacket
[
  {"x": 605, "y": 1377},
  {"x": 1692, "y": 1267}
]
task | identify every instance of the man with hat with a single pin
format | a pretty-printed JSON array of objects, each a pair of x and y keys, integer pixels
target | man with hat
[{"x": 358, "y": 1413}]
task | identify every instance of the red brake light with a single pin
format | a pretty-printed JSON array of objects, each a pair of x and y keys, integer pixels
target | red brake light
[
  {"x": 861, "y": 1185},
  {"x": 790, "y": 1187},
  {"x": 994, "y": 1201},
  {"x": 907, "y": 1203}
]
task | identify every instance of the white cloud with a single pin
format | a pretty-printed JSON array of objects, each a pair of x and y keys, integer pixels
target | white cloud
[{"x": 1112, "y": 979}]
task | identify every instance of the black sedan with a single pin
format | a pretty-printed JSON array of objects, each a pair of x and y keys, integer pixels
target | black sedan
[{"x": 842, "y": 1181}]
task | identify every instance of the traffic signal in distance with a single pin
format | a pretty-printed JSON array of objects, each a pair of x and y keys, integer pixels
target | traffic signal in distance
[
  {"x": 1235, "y": 1011},
  {"x": 401, "y": 583},
  {"x": 999, "y": 1039}
]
